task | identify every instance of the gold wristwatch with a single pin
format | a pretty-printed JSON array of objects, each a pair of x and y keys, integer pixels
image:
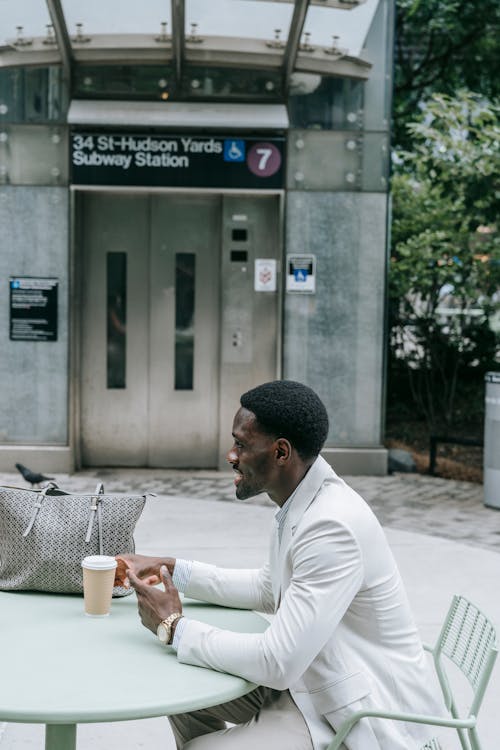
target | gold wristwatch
[{"x": 164, "y": 629}]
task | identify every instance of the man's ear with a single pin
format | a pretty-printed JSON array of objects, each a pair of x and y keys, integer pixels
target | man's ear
[{"x": 283, "y": 450}]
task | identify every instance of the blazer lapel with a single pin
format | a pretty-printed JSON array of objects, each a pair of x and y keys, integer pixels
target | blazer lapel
[
  {"x": 275, "y": 567},
  {"x": 305, "y": 493}
]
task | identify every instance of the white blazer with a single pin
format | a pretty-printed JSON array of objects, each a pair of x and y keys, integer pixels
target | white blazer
[{"x": 342, "y": 636}]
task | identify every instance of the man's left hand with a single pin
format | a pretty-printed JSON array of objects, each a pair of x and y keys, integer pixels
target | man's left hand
[{"x": 154, "y": 604}]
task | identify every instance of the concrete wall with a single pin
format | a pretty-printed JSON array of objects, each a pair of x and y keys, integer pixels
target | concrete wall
[
  {"x": 334, "y": 340},
  {"x": 34, "y": 375}
]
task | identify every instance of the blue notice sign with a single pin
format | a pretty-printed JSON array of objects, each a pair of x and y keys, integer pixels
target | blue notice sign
[
  {"x": 301, "y": 273},
  {"x": 234, "y": 150}
]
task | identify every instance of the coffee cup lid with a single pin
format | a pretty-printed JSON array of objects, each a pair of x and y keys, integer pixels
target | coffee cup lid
[{"x": 99, "y": 562}]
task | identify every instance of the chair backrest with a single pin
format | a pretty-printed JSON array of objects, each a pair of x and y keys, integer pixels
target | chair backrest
[
  {"x": 469, "y": 639},
  {"x": 432, "y": 744}
]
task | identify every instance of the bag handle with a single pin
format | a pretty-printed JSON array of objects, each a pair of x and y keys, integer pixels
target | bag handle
[
  {"x": 100, "y": 491},
  {"x": 95, "y": 508},
  {"x": 38, "y": 505}
]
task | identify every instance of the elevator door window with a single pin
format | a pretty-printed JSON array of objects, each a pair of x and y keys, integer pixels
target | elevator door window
[
  {"x": 185, "y": 283},
  {"x": 116, "y": 283}
]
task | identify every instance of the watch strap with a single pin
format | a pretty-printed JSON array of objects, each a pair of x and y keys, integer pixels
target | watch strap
[{"x": 168, "y": 623}]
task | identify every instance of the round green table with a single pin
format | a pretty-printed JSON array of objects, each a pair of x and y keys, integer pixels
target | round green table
[{"x": 61, "y": 668}]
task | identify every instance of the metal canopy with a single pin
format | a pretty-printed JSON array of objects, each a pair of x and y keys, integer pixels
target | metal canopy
[
  {"x": 325, "y": 37},
  {"x": 62, "y": 36},
  {"x": 292, "y": 45},
  {"x": 179, "y": 114}
]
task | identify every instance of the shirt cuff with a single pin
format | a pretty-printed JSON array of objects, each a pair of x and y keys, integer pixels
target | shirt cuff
[
  {"x": 179, "y": 629},
  {"x": 182, "y": 574}
]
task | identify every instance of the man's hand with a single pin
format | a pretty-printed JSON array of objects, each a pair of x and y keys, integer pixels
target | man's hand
[
  {"x": 146, "y": 568},
  {"x": 154, "y": 604}
]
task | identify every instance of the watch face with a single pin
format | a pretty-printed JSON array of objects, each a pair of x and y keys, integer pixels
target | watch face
[{"x": 161, "y": 632}]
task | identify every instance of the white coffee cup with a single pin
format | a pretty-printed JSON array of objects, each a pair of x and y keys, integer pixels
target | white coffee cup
[{"x": 98, "y": 579}]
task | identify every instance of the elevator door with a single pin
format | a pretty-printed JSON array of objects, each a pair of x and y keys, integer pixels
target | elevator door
[{"x": 150, "y": 329}]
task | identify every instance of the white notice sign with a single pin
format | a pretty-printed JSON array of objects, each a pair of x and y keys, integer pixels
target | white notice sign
[{"x": 265, "y": 275}]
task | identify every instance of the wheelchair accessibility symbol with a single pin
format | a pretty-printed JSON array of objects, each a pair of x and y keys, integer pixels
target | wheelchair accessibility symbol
[
  {"x": 234, "y": 150},
  {"x": 300, "y": 274}
]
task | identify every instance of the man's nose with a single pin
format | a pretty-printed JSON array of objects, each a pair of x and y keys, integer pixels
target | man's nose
[{"x": 232, "y": 456}]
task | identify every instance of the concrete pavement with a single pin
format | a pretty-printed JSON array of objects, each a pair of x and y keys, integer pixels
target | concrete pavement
[{"x": 444, "y": 539}]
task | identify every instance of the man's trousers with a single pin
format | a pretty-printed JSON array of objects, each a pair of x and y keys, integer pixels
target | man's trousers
[{"x": 262, "y": 719}]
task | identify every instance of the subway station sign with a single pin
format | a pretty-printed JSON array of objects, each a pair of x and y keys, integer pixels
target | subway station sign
[{"x": 177, "y": 160}]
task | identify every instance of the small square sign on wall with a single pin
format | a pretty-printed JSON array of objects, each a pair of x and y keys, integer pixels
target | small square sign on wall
[
  {"x": 265, "y": 275},
  {"x": 301, "y": 274}
]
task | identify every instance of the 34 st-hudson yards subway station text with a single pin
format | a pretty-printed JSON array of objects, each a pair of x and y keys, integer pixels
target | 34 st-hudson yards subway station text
[{"x": 139, "y": 151}]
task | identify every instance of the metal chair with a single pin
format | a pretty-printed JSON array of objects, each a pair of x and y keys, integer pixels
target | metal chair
[
  {"x": 432, "y": 744},
  {"x": 468, "y": 639}
]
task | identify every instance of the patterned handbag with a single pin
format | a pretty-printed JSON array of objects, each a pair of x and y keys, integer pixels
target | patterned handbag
[{"x": 45, "y": 534}]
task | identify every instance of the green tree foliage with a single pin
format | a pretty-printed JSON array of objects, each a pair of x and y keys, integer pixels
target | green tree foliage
[
  {"x": 446, "y": 251},
  {"x": 443, "y": 45}
]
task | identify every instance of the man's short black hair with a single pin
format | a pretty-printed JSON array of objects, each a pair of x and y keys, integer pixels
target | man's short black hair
[{"x": 285, "y": 408}]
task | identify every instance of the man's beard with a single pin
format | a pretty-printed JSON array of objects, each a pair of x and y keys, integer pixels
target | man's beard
[
  {"x": 245, "y": 490},
  {"x": 243, "y": 493}
]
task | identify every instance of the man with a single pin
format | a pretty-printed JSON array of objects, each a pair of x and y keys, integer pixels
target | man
[{"x": 342, "y": 637}]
